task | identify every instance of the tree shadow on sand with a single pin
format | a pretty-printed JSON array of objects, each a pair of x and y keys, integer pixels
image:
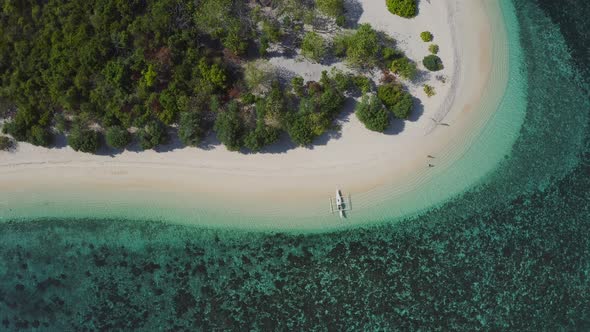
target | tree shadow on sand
[
  {"x": 354, "y": 11},
  {"x": 417, "y": 110}
]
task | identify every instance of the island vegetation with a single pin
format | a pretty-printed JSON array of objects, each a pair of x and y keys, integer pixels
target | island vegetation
[
  {"x": 403, "y": 8},
  {"x": 114, "y": 72},
  {"x": 6, "y": 144},
  {"x": 426, "y": 36},
  {"x": 433, "y": 63}
]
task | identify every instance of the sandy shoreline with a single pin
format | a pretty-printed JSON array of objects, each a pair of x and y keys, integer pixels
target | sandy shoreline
[{"x": 360, "y": 162}]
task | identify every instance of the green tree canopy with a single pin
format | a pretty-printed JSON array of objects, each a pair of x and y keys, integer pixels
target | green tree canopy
[
  {"x": 313, "y": 46},
  {"x": 404, "y": 67},
  {"x": 403, "y": 8},
  {"x": 426, "y": 36},
  {"x": 191, "y": 128},
  {"x": 396, "y": 99},
  {"x": 154, "y": 133},
  {"x": 83, "y": 139},
  {"x": 433, "y": 63},
  {"x": 229, "y": 127},
  {"x": 372, "y": 114},
  {"x": 332, "y": 8},
  {"x": 6, "y": 144},
  {"x": 117, "y": 137},
  {"x": 300, "y": 130},
  {"x": 363, "y": 47}
]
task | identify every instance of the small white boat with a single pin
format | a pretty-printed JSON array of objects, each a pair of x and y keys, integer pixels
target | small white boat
[{"x": 340, "y": 205}]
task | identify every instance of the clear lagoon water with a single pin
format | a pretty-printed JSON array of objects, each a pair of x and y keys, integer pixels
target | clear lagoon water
[{"x": 512, "y": 252}]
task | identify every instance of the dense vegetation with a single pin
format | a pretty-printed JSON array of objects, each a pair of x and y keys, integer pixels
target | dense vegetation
[
  {"x": 332, "y": 8},
  {"x": 403, "y": 8},
  {"x": 117, "y": 137},
  {"x": 131, "y": 70},
  {"x": 5, "y": 143},
  {"x": 404, "y": 67},
  {"x": 372, "y": 114},
  {"x": 396, "y": 99},
  {"x": 313, "y": 47}
]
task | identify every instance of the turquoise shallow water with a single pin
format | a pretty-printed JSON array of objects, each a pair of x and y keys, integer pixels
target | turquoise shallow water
[{"x": 512, "y": 253}]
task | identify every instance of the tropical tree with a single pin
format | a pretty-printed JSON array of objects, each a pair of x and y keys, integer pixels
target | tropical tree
[
  {"x": 433, "y": 63},
  {"x": 313, "y": 46},
  {"x": 403, "y": 8},
  {"x": 396, "y": 99},
  {"x": 372, "y": 114},
  {"x": 154, "y": 133},
  {"x": 229, "y": 128},
  {"x": 83, "y": 139},
  {"x": 190, "y": 128},
  {"x": 117, "y": 137}
]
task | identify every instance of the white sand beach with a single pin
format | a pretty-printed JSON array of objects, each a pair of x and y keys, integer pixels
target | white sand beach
[{"x": 358, "y": 161}]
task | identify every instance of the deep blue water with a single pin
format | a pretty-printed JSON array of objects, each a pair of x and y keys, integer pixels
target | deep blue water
[{"x": 512, "y": 254}]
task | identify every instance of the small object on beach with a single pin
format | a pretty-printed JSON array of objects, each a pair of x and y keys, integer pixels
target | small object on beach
[
  {"x": 439, "y": 123},
  {"x": 341, "y": 206},
  {"x": 431, "y": 157},
  {"x": 430, "y": 165}
]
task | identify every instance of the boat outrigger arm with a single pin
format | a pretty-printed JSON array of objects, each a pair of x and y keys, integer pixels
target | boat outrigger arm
[{"x": 338, "y": 204}]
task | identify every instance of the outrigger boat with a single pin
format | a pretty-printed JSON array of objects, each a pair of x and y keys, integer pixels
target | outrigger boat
[{"x": 341, "y": 205}]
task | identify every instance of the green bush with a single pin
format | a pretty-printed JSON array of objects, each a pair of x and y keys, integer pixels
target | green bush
[
  {"x": 83, "y": 139},
  {"x": 433, "y": 63},
  {"x": 301, "y": 130},
  {"x": 404, "y": 67},
  {"x": 260, "y": 137},
  {"x": 331, "y": 101},
  {"x": 154, "y": 133},
  {"x": 390, "y": 54},
  {"x": 403, "y": 8},
  {"x": 271, "y": 31},
  {"x": 342, "y": 81},
  {"x": 331, "y": 8},
  {"x": 313, "y": 47},
  {"x": 362, "y": 83},
  {"x": 396, "y": 99},
  {"x": 363, "y": 47},
  {"x": 372, "y": 114},
  {"x": 429, "y": 90},
  {"x": 228, "y": 127},
  {"x": 117, "y": 137},
  {"x": 433, "y": 48},
  {"x": 30, "y": 127},
  {"x": 341, "y": 20},
  {"x": 40, "y": 136},
  {"x": 248, "y": 98},
  {"x": 6, "y": 144},
  {"x": 426, "y": 36},
  {"x": 340, "y": 44},
  {"x": 190, "y": 128},
  {"x": 297, "y": 84}
]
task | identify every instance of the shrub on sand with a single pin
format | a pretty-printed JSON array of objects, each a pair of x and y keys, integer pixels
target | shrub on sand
[
  {"x": 429, "y": 90},
  {"x": 313, "y": 47},
  {"x": 426, "y": 36},
  {"x": 433, "y": 48},
  {"x": 403, "y": 8},
  {"x": 372, "y": 114},
  {"x": 433, "y": 63}
]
